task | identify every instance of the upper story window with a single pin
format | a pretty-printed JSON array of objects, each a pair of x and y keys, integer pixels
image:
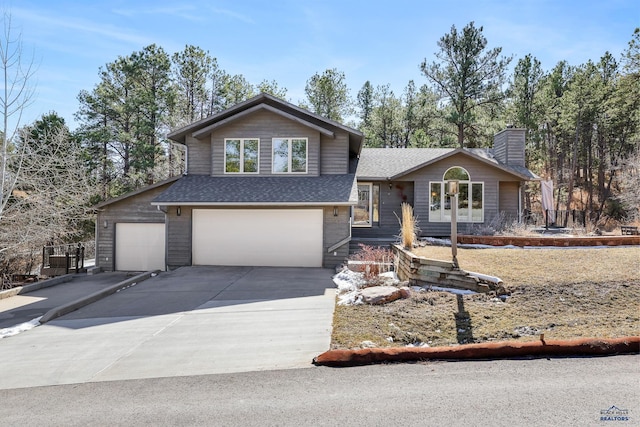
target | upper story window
[
  {"x": 290, "y": 155},
  {"x": 470, "y": 197},
  {"x": 241, "y": 155}
]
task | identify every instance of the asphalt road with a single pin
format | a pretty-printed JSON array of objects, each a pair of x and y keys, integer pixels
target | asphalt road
[{"x": 537, "y": 392}]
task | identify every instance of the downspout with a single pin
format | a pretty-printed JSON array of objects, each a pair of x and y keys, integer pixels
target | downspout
[{"x": 96, "y": 230}]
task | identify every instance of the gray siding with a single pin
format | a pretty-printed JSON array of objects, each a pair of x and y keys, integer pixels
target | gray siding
[
  {"x": 199, "y": 155},
  {"x": 178, "y": 237},
  {"x": 136, "y": 208},
  {"x": 508, "y": 199},
  {"x": 336, "y": 228},
  {"x": 334, "y": 154},
  {"x": 478, "y": 171},
  {"x": 509, "y": 146},
  {"x": 389, "y": 210},
  {"x": 264, "y": 125}
]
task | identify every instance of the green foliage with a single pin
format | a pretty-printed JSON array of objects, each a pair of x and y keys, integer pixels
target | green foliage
[
  {"x": 191, "y": 70},
  {"x": 272, "y": 88},
  {"x": 467, "y": 77},
  {"x": 328, "y": 95}
]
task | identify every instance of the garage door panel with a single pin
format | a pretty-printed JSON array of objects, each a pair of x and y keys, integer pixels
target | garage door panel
[
  {"x": 261, "y": 237},
  {"x": 140, "y": 246}
]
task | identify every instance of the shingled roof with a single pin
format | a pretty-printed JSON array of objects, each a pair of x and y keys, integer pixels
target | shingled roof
[
  {"x": 377, "y": 164},
  {"x": 204, "y": 190}
]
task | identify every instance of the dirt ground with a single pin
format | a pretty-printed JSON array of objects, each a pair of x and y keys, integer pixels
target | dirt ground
[{"x": 563, "y": 293}]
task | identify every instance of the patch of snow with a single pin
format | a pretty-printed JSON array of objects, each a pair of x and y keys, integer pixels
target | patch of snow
[
  {"x": 390, "y": 339},
  {"x": 368, "y": 344},
  {"x": 452, "y": 290},
  {"x": 22, "y": 327},
  {"x": 348, "y": 280},
  {"x": 350, "y": 298},
  {"x": 349, "y": 284}
]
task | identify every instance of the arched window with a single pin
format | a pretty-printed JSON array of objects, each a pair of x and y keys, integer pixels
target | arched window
[
  {"x": 470, "y": 197},
  {"x": 456, "y": 172}
]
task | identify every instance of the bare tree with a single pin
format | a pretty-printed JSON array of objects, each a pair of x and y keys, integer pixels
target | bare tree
[
  {"x": 16, "y": 94},
  {"x": 49, "y": 202}
]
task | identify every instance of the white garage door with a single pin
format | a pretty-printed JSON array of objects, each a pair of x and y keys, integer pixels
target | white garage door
[
  {"x": 260, "y": 237},
  {"x": 140, "y": 247}
]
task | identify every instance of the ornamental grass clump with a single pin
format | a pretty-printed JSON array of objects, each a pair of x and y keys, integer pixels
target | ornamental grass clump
[{"x": 408, "y": 227}]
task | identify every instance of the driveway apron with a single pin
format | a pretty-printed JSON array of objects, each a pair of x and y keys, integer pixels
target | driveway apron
[{"x": 191, "y": 321}]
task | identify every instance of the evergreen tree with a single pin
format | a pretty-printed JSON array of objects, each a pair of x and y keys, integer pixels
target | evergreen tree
[{"x": 467, "y": 76}]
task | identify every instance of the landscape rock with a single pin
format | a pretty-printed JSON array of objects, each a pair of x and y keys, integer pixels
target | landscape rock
[{"x": 382, "y": 294}]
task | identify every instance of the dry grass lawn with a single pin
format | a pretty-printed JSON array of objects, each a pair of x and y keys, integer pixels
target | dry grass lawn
[{"x": 563, "y": 293}]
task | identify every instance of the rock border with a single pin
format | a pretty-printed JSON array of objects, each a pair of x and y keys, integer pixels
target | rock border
[{"x": 494, "y": 350}]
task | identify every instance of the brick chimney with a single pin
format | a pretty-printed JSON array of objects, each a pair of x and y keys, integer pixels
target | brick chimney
[{"x": 508, "y": 146}]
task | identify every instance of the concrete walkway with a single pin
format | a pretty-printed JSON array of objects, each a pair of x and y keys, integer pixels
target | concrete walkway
[{"x": 195, "y": 320}]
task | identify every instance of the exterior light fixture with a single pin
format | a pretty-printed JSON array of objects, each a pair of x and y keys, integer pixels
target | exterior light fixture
[
  {"x": 335, "y": 211},
  {"x": 105, "y": 224},
  {"x": 179, "y": 211},
  {"x": 454, "y": 187}
]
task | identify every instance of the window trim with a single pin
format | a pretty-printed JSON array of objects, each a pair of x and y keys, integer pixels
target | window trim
[
  {"x": 443, "y": 196},
  {"x": 368, "y": 224},
  {"x": 242, "y": 142},
  {"x": 289, "y": 141}
]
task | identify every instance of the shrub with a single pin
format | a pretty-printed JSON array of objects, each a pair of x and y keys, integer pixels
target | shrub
[{"x": 371, "y": 261}]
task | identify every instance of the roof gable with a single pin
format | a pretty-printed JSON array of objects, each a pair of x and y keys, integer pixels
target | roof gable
[
  {"x": 394, "y": 163},
  {"x": 268, "y": 102},
  {"x": 137, "y": 192}
]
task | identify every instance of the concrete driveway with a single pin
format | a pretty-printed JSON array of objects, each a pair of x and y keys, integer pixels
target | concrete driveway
[{"x": 191, "y": 321}]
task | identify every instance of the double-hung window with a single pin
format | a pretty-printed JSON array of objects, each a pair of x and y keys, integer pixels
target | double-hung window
[
  {"x": 470, "y": 198},
  {"x": 290, "y": 155},
  {"x": 241, "y": 155}
]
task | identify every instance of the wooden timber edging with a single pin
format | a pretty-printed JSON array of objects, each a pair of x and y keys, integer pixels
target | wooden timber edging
[
  {"x": 422, "y": 271},
  {"x": 549, "y": 241},
  {"x": 495, "y": 350}
]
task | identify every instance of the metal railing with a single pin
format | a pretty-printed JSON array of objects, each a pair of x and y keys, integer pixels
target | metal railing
[{"x": 67, "y": 257}]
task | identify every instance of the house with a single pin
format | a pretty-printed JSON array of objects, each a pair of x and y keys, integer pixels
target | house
[
  {"x": 268, "y": 183},
  {"x": 490, "y": 182}
]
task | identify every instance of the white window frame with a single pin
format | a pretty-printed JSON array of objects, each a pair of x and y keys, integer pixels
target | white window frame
[
  {"x": 289, "y": 141},
  {"x": 437, "y": 215},
  {"x": 368, "y": 224},
  {"x": 242, "y": 141}
]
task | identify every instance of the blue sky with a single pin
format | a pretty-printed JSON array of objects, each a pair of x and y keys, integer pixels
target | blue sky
[{"x": 288, "y": 41}]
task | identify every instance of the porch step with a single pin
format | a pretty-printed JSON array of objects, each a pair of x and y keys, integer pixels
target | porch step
[{"x": 386, "y": 242}]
